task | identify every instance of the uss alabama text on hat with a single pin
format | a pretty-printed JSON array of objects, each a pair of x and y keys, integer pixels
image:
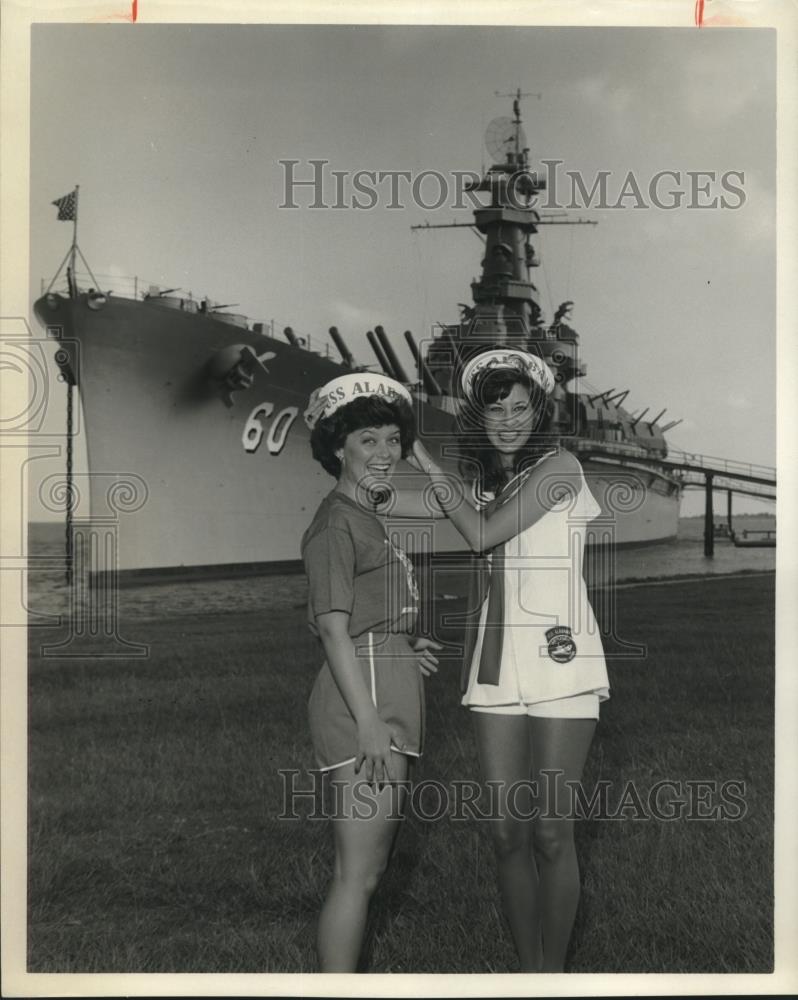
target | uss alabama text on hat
[
  {"x": 346, "y": 388},
  {"x": 506, "y": 358}
]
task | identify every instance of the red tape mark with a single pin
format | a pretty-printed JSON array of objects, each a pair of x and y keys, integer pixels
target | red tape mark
[
  {"x": 135, "y": 11},
  {"x": 699, "y": 12}
]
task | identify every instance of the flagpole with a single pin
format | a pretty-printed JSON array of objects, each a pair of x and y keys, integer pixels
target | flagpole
[
  {"x": 75, "y": 229},
  {"x": 68, "y": 210}
]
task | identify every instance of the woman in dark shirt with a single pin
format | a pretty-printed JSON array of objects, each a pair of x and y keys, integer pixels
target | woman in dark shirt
[{"x": 367, "y": 704}]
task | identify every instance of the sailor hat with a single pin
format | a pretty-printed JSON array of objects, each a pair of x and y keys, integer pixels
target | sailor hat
[
  {"x": 347, "y": 388},
  {"x": 513, "y": 360}
]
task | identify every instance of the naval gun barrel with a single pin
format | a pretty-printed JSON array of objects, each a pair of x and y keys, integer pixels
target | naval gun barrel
[
  {"x": 382, "y": 358},
  {"x": 661, "y": 412},
  {"x": 390, "y": 353},
  {"x": 430, "y": 383},
  {"x": 343, "y": 350}
]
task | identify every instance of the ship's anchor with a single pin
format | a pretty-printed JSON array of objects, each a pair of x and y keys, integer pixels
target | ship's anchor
[{"x": 233, "y": 369}]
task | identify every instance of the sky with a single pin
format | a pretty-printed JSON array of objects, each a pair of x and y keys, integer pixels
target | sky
[{"x": 176, "y": 134}]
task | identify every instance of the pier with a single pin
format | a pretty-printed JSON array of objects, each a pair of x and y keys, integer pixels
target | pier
[{"x": 706, "y": 472}]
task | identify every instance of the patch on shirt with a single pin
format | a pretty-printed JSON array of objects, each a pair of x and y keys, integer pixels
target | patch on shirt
[{"x": 562, "y": 648}]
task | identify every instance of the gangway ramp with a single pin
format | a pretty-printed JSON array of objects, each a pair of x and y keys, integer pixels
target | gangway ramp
[{"x": 709, "y": 472}]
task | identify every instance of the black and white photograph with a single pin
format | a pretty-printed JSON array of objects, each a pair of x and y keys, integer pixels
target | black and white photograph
[{"x": 391, "y": 417}]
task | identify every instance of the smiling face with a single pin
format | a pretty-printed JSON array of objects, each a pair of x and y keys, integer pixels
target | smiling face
[
  {"x": 368, "y": 457},
  {"x": 509, "y": 421}
]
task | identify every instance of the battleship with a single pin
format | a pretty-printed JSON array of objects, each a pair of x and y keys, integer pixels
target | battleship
[{"x": 197, "y": 450}]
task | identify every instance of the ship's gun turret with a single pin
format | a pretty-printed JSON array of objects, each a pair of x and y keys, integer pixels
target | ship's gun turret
[
  {"x": 399, "y": 373},
  {"x": 427, "y": 378},
  {"x": 343, "y": 350}
]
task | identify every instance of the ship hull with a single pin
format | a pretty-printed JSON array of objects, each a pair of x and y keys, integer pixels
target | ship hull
[{"x": 190, "y": 476}]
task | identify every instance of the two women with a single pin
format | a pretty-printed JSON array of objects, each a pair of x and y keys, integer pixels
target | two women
[{"x": 534, "y": 670}]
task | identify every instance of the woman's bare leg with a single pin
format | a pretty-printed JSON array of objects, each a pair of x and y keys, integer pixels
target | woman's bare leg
[
  {"x": 364, "y": 833},
  {"x": 559, "y": 748},
  {"x": 505, "y": 753}
]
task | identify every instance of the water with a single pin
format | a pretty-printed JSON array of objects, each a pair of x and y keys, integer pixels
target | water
[
  {"x": 685, "y": 554},
  {"x": 49, "y": 595}
]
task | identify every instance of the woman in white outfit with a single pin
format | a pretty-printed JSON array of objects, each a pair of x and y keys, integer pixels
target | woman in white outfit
[{"x": 534, "y": 671}]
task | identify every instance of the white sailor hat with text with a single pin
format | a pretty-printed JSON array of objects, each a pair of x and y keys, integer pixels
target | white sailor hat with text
[
  {"x": 347, "y": 388},
  {"x": 508, "y": 359}
]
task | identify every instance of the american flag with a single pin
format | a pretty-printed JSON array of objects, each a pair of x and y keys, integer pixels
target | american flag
[{"x": 66, "y": 206}]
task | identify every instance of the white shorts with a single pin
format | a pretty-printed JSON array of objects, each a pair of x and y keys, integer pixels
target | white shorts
[{"x": 578, "y": 706}]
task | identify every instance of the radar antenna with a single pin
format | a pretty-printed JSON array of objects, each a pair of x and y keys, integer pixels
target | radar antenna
[{"x": 505, "y": 136}]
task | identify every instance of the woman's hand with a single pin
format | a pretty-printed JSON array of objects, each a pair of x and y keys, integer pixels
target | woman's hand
[
  {"x": 427, "y": 662},
  {"x": 374, "y": 739},
  {"x": 373, "y": 736}
]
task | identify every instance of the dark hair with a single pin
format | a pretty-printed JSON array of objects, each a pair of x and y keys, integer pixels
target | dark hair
[
  {"x": 477, "y": 456},
  {"x": 331, "y": 432}
]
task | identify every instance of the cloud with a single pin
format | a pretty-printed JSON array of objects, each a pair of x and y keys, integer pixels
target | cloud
[
  {"x": 760, "y": 209},
  {"x": 707, "y": 79},
  {"x": 602, "y": 90},
  {"x": 717, "y": 83},
  {"x": 346, "y": 314}
]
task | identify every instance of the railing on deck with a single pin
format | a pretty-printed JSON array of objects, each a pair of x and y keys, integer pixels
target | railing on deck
[
  {"x": 719, "y": 482},
  {"x": 712, "y": 463},
  {"x": 121, "y": 286},
  {"x": 688, "y": 461},
  {"x": 137, "y": 289}
]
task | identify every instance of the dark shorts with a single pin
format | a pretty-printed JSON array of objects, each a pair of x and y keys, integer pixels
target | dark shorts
[{"x": 391, "y": 673}]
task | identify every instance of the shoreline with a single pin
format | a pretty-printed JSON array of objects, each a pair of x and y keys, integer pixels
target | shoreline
[
  {"x": 664, "y": 558},
  {"x": 294, "y": 602},
  {"x": 641, "y": 581}
]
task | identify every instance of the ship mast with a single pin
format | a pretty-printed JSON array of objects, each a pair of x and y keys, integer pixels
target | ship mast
[
  {"x": 506, "y": 309},
  {"x": 506, "y": 301}
]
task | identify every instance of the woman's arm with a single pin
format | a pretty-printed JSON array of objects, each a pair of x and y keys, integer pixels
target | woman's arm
[
  {"x": 409, "y": 503},
  {"x": 373, "y": 735},
  {"x": 554, "y": 480},
  {"x": 420, "y": 501}
]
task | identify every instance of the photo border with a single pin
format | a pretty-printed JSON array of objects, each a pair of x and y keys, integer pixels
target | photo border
[{"x": 14, "y": 296}]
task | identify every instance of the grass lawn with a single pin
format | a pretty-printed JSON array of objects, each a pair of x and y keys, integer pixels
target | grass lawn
[{"x": 154, "y": 842}]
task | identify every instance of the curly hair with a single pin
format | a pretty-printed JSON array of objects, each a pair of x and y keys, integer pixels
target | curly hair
[
  {"x": 331, "y": 432},
  {"x": 478, "y": 459}
]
